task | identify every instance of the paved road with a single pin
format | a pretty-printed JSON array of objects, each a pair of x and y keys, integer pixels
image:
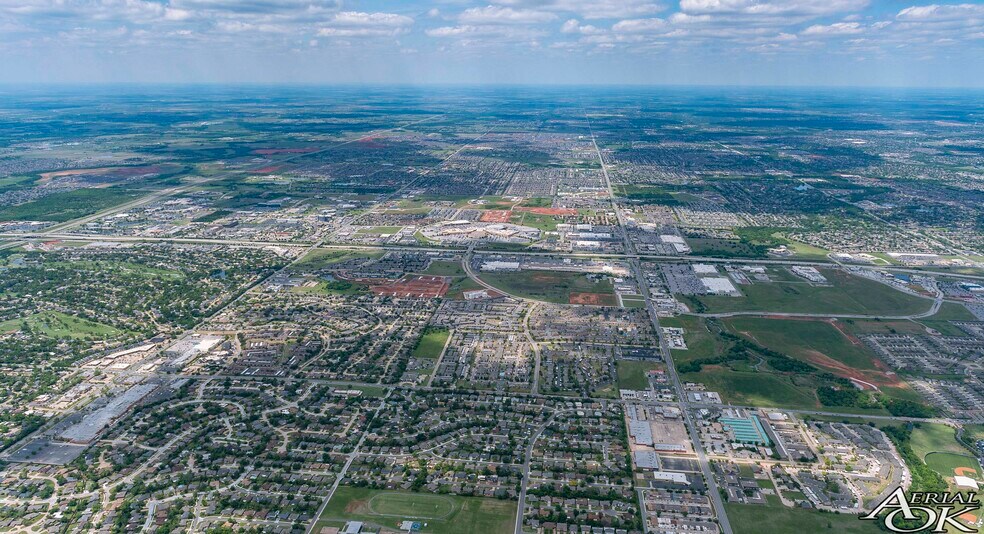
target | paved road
[
  {"x": 348, "y": 463},
  {"x": 526, "y": 471},
  {"x": 705, "y": 467}
]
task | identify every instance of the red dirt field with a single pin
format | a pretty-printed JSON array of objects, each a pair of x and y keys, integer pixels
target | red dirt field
[
  {"x": 549, "y": 211},
  {"x": 497, "y": 216},
  {"x": 592, "y": 299},
  {"x": 869, "y": 379},
  {"x": 274, "y": 151},
  {"x": 266, "y": 170},
  {"x": 414, "y": 286}
]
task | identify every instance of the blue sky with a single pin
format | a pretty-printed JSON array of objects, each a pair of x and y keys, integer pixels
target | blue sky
[{"x": 721, "y": 42}]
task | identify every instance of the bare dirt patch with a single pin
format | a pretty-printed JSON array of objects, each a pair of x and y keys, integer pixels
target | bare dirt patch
[
  {"x": 495, "y": 216},
  {"x": 592, "y": 299}
]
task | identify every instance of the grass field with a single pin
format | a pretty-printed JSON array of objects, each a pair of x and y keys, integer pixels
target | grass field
[
  {"x": 431, "y": 343},
  {"x": 701, "y": 342},
  {"x": 444, "y": 268},
  {"x": 632, "y": 373},
  {"x": 932, "y": 437},
  {"x": 67, "y": 205},
  {"x": 380, "y": 230},
  {"x": 337, "y": 287},
  {"x": 755, "y": 388},
  {"x": 460, "y": 285},
  {"x": 751, "y": 519},
  {"x": 323, "y": 257},
  {"x": 848, "y": 294},
  {"x": 61, "y": 326},
  {"x": 444, "y": 514},
  {"x": 803, "y": 339},
  {"x": 937, "y": 445},
  {"x": 549, "y": 286},
  {"x": 947, "y": 465}
]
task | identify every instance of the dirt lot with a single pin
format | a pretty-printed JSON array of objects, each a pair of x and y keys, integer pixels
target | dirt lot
[
  {"x": 414, "y": 286},
  {"x": 498, "y": 216},
  {"x": 592, "y": 299}
]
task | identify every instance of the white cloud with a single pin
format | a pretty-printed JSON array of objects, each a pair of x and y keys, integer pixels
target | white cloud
[
  {"x": 356, "y": 18},
  {"x": 938, "y": 13},
  {"x": 592, "y": 9},
  {"x": 838, "y": 28},
  {"x": 772, "y": 7},
  {"x": 640, "y": 25},
  {"x": 575, "y": 26},
  {"x": 360, "y": 24},
  {"x": 504, "y": 15}
]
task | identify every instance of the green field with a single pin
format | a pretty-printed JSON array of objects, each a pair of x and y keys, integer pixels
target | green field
[
  {"x": 460, "y": 285},
  {"x": 431, "y": 344},
  {"x": 937, "y": 446},
  {"x": 546, "y": 223},
  {"x": 67, "y": 205},
  {"x": 335, "y": 287},
  {"x": 751, "y": 519},
  {"x": 323, "y": 257},
  {"x": 550, "y": 286},
  {"x": 445, "y": 268},
  {"x": 801, "y": 339},
  {"x": 61, "y": 326},
  {"x": 380, "y": 230},
  {"x": 848, "y": 294},
  {"x": 947, "y": 464},
  {"x": 444, "y": 514},
  {"x": 932, "y": 437},
  {"x": 632, "y": 373},
  {"x": 701, "y": 342},
  {"x": 756, "y": 388}
]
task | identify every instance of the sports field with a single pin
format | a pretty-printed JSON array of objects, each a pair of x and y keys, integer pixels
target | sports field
[
  {"x": 847, "y": 294},
  {"x": 937, "y": 445},
  {"x": 438, "y": 514},
  {"x": 560, "y": 287}
]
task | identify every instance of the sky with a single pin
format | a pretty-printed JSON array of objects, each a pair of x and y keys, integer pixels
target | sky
[{"x": 891, "y": 43}]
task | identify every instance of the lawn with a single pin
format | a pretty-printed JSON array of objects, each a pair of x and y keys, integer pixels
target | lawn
[
  {"x": 801, "y": 339},
  {"x": 632, "y": 373},
  {"x": 848, "y": 294},
  {"x": 751, "y": 518},
  {"x": 444, "y": 514},
  {"x": 550, "y": 286},
  {"x": 61, "y": 326},
  {"x": 431, "y": 344}
]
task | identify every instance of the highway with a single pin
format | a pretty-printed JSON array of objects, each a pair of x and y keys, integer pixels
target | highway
[{"x": 713, "y": 492}]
